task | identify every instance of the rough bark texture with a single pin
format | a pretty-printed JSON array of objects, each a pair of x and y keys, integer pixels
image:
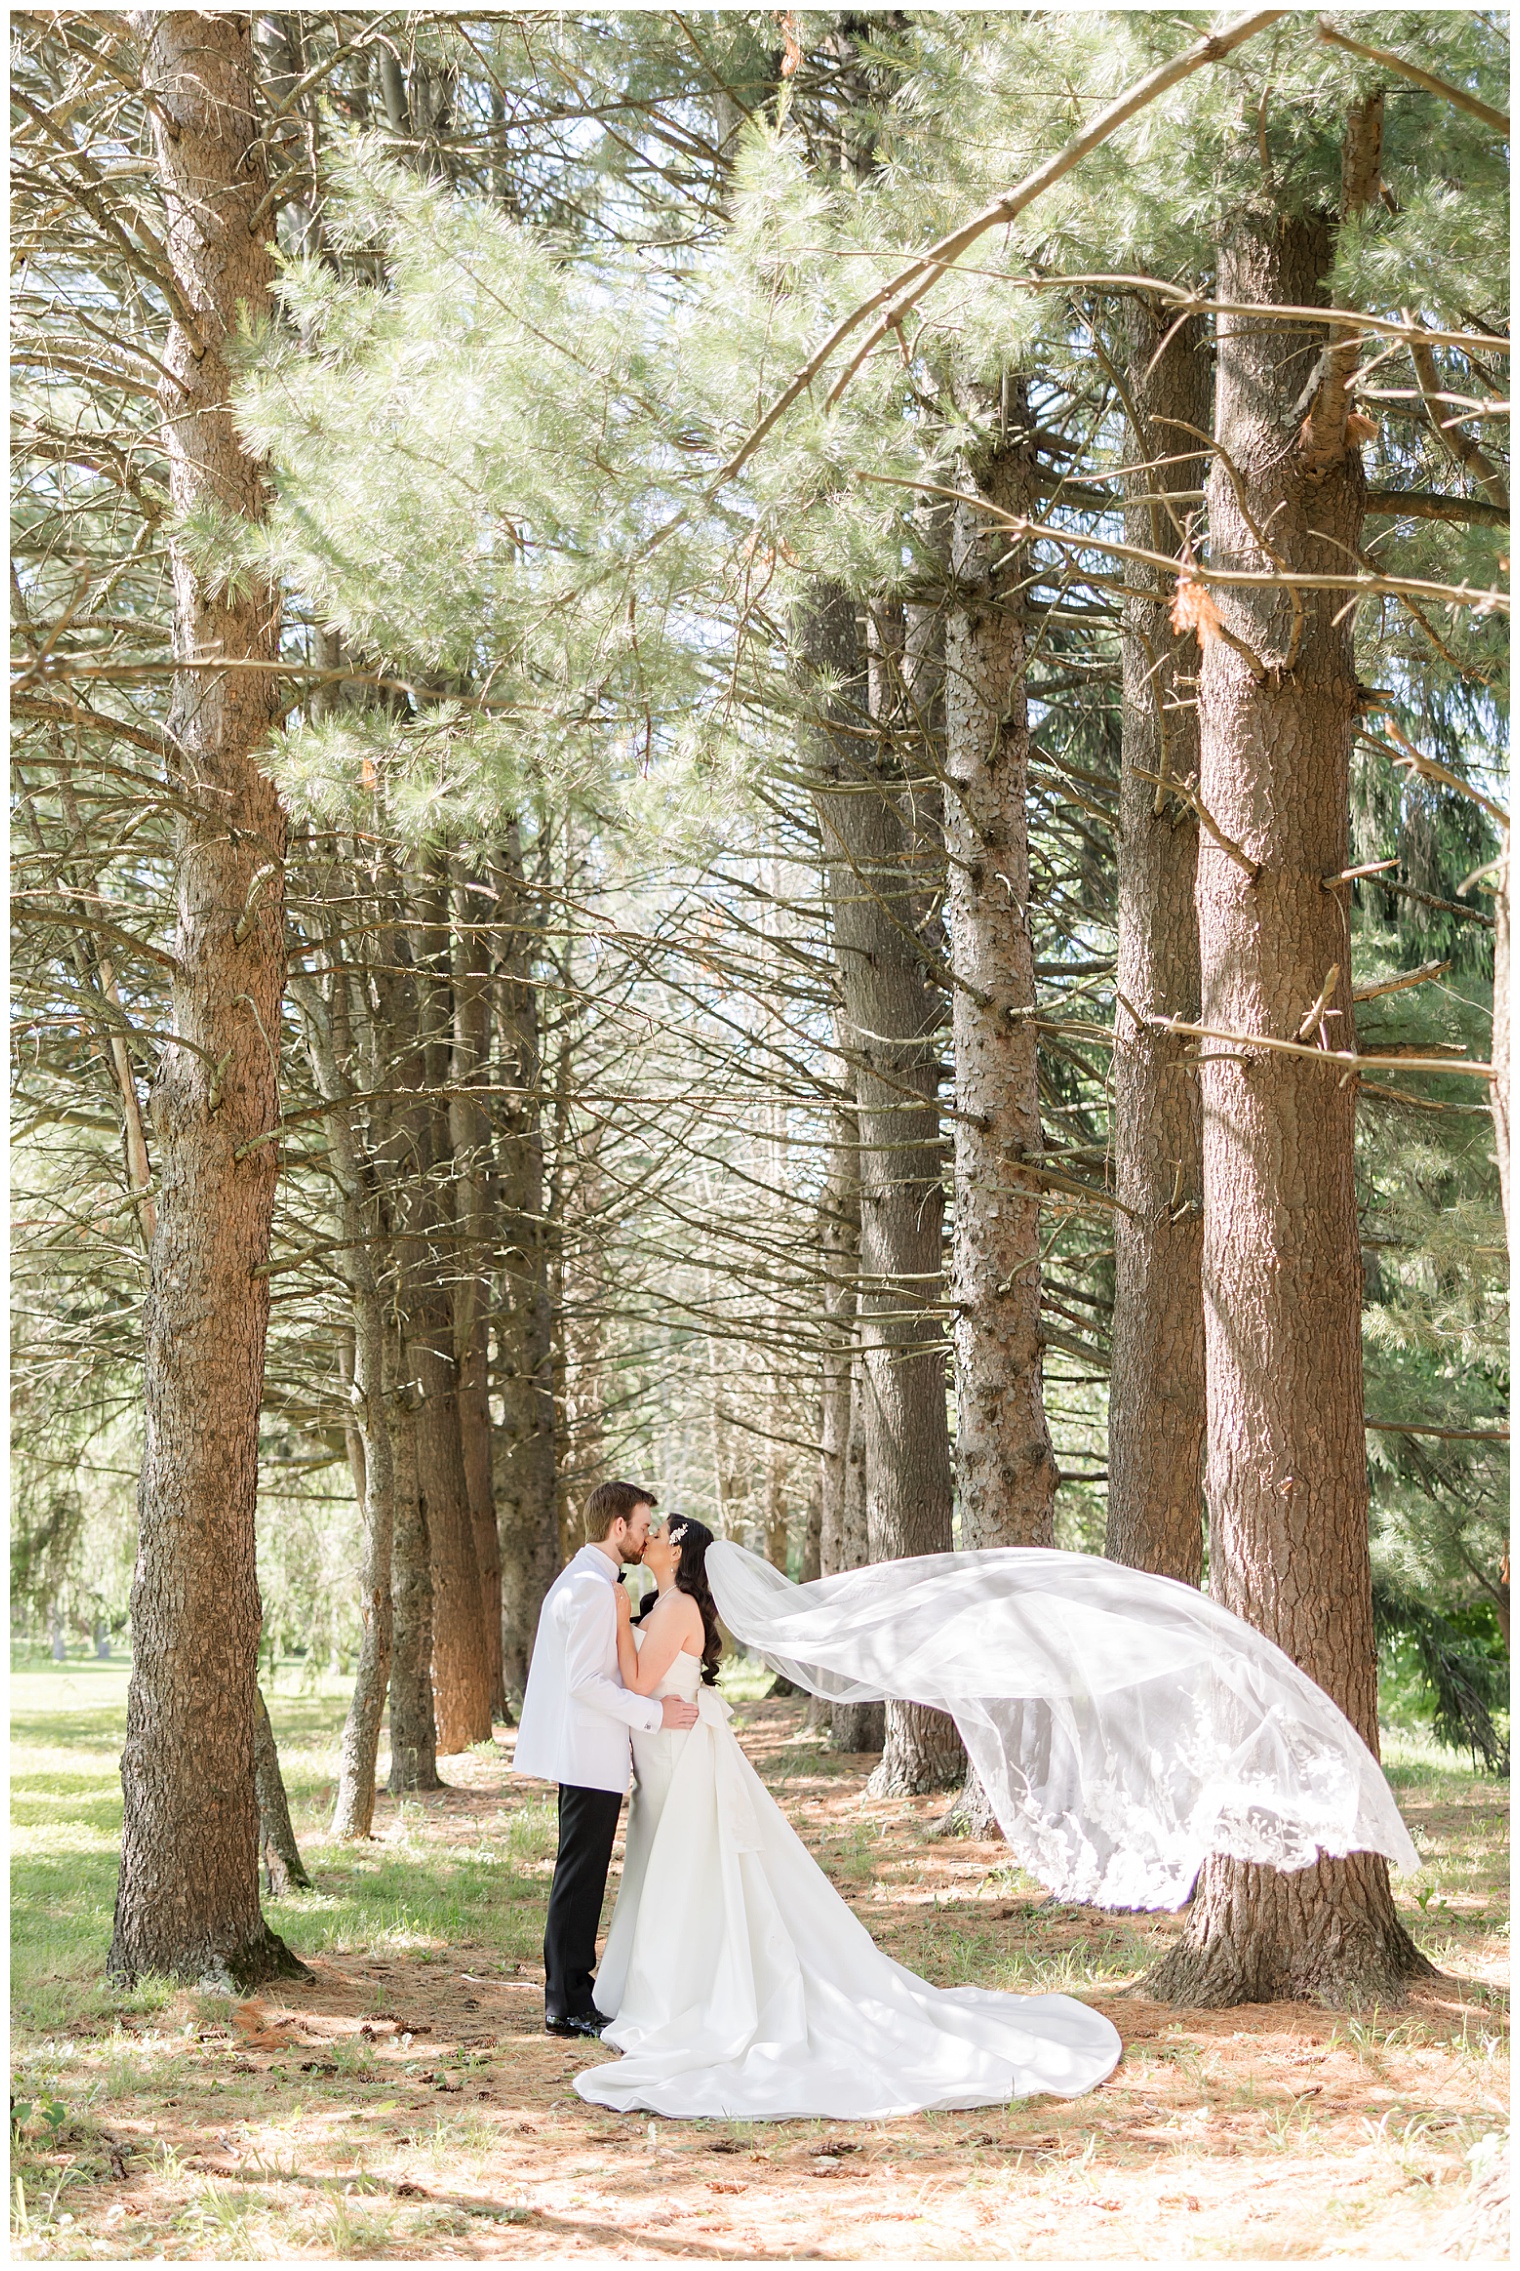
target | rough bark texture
[
  {"x": 413, "y": 1731},
  {"x": 1287, "y": 1476},
  {"x": 340, "y": 1039},
  {"x": 523, "y": 1449},
  {"x": 1004, "y": 1464},
  {"x": 843, "y": 1542},
  {"x": 839, "y": 1253},
  {"x": 856, "y": 1726},
  {"x": 812, "y": 1536},
  {"x": 461, "y": 1671},
  {"x": 1156, "y": 1400},
  {"x": 414, "y": 1737},
  {"x": 461, "y": 1666},
  {"x": 188, "y": 1896},
  {"x": 876, "y": 891},
  {"x": 1005, "y": 1468},
  {"x": 283, "y": 1866},
  {"x": 470, "y": 1139}
]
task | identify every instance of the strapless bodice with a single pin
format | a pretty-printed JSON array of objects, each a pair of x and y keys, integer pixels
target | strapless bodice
[{"x": 683, "y": 1678}]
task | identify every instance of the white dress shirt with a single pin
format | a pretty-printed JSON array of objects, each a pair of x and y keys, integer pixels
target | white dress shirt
[{"x": 576, "y": 1713}]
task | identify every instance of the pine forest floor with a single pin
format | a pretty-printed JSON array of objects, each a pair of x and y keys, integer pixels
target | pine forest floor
[{"x": 407, "y": 2104}]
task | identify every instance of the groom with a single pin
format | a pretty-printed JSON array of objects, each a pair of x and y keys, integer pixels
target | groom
[{"x": 574, "y": 1731}]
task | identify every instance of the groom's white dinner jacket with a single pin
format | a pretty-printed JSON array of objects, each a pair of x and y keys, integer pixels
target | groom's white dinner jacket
[{"x": 577, "y": 1713}]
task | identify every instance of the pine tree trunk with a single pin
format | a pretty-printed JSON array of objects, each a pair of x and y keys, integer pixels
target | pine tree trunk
[
  {"x": 1287, "y": 1473},
  {"x": 461, "y": 1673},
  {"x": 339, "y": 1029},
  {"x": 842, "y": 1539},
  {"x": 812, "y": 1536},
  {"x": 1004, "y": 1465},
  {"x": 188, "y": 1896},
  {"x": 839, "y": 1256},
  {"x": 414, "y": 1738},
  {"x": 876, "y": 892},
  {"x": 582, "y": 1308},
  {"x": 523, "y": 1450},
  {"x": 354, "y": 1808},
  {"x": 856, "y": 1727},
  {"x": 1156, "y": 1399},
  {"x": 470, "y": 1136},
  {"x": 395, "y": 1038},
  {"x": 1005, "y": 1468},
  {"x": 283, "y": 1866}
]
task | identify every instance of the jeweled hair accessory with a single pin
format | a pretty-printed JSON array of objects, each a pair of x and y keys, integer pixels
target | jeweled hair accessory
[{"x": 678, "y": 1533}]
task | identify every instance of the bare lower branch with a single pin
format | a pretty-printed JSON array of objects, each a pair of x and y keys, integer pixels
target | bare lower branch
[
  {"x": 1339, "y": 1060},
  {"x": 1417, "y": 76}
]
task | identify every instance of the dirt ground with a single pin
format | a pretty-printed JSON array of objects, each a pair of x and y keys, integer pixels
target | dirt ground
[{"x": 406, "y": 2103}]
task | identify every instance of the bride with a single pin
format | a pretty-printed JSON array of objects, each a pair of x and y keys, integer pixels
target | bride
[
  {"x": 1124, "y": 1726},
  {"x": 737, "y": 1982}
]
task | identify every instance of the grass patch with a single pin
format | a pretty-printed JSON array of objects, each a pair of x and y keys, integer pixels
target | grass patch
[{"x": 409, "y": 2106}]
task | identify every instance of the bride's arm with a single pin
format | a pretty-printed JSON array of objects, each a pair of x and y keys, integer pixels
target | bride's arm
[
  {"x": 627, "y": 1648},
  {"x": 668, "y": 1626}
]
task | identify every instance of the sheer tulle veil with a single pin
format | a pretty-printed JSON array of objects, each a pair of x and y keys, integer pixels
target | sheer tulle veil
[{"x": 1124, "y": 1726}]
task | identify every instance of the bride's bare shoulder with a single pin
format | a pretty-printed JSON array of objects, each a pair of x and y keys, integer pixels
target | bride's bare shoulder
[
  {"x": 681, "y": 1613},
  {"x": 674, "y": 1607}
]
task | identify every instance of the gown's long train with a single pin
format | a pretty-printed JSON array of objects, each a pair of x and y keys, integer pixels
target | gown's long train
[
  {"x": 740, "y": 1986},
  {"x": 1124, "y": 1726}
]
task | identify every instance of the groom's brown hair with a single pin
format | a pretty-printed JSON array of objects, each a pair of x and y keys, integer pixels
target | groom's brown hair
[{"x": 613, "y": 1502}]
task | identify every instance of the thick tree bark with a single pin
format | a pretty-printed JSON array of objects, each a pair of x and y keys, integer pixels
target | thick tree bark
[
  {"x": 812, "y": 1535},
  {"x": 340, "y": 1037},
  {"x": 461, "y": 1673},
  {"x": 283, "y": 1866},
  {"x": 842, "y": 1540},
  {"x": 188, "y": 1896},
  {"x": 1156, "y": 1400},
  {"x": 856, "y": 1726},
  {"x": 523, "y": 1449},
  {"x": 461, "y": 1667},
  {"x": 354, "y": 1807},
  {"x": 875, "y": 885},
  {"x": 470, "y": 1136},
  {"x": 1004, "y": 1464},
  {"x": 414, "y": 1739},
  {"x": 1005, "y": 1468},
  {"x": 390, "y": 1063},
  {"x": 581, "y": 1309},
  {"x": 1287, "y": 1473},
  {"x": 839, "y": 1254}
]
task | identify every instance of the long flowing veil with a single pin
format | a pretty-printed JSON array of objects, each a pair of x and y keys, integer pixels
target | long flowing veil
[{"x": 1124, "y": 1726}]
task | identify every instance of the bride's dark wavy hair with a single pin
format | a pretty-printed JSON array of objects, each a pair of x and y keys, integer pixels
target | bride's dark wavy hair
[{"x": 691, "y": 1541}]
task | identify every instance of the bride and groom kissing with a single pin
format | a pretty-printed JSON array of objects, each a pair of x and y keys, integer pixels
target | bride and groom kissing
[
  {"x": 734, "y": 1981},
  {"x": 1123, "y": 1726}
]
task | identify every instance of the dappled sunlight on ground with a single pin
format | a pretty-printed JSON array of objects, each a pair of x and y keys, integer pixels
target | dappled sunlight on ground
[{"x": 406, "y": 2102}]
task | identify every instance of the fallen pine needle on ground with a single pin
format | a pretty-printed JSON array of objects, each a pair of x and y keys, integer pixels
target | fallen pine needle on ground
[{"x": 406, "y": 2103}]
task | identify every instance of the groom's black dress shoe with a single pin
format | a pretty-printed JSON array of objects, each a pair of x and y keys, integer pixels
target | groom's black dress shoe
[{"x": 592, "y": 2026}]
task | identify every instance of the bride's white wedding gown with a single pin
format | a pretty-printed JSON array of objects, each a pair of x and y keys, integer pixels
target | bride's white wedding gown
[{"x": 740, "y": 1986}]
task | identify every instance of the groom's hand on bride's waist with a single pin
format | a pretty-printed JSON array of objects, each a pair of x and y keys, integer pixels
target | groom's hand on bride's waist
[{"x": 675, "y": 1713}]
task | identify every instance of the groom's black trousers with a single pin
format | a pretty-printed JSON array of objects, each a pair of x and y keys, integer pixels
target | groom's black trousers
[{"x": 588, "y": 1822}]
